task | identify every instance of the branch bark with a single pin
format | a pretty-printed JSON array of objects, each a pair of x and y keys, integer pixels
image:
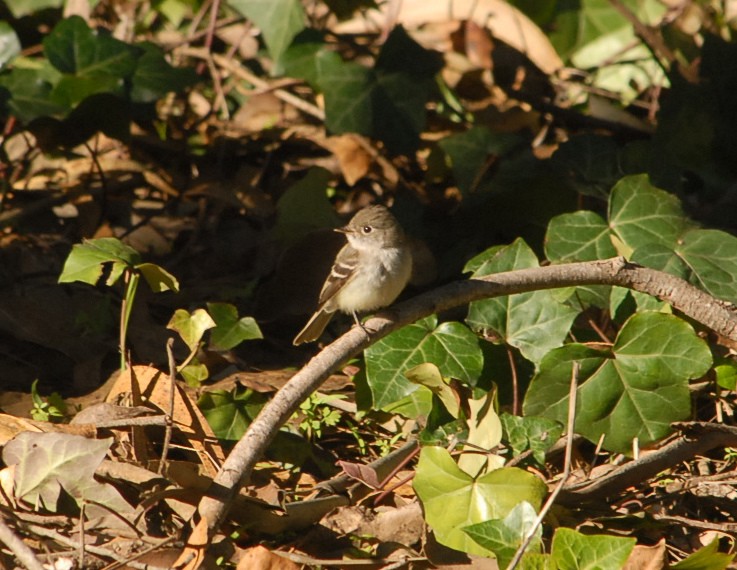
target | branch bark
[{"x": 717, "y": 315}]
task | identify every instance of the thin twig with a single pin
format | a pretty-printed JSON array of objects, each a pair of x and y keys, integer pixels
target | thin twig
[
  {"x": 19, "y": 548},
  {"x": 572, "y": 392},
  {"x": 96, "y": 550},
  {"x": 81, "y": 534},
  {"x": 170, "y": 414}
]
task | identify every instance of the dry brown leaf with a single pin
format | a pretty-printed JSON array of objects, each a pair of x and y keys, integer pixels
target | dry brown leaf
[
  {"x": 647, "y": 557},
  {"x": 193, "y": 554},
  {"x": 262, "y": 558},
  {"x": 10, "y": 426},
  {"x": 352, "y": 157},
  {"x": 431, "y": 23},
  {"x": 153, "y": 385}
]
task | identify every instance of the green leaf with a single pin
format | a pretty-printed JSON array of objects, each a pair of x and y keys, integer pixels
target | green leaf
[
  {"x": 73, "y": 48},
  {"x": 86, "y": 260},
  {"x": 158, "y": 278},
  {"x": 439, "y": 483},
  {"x": 591, "y": 163},
  {"x": 230, "y": 330},
  {"x": 712, "y": 257},
  {"x": 726, "y": 374},
  {"x": 304, "y": 56},
  {"x": 304, "y": 207},
  {"x": 581, "y": 236},
  {"x": 195, "y": 373},
  {"x": 504, "y": 536},
  {"x": 706, "y": 558},
  {"x": 9, "y": 44},
  {"x": 469, "y": 152},
  {"x": 417, "y": 405},
  {"x": 347, "y": 88},
  {"x": 573, "y": 550},
  {"x": 191, "y": 327},
  {"x": 29, "y": 94},
  {"x": 533, "y": 322},
  {"x": 229, "y": 413},
  {"x": 155, "y": 77},
  {"x": 20, "y": 8},
  {"x": 451, "y": 346},
  {"x": 429, "y": 376},
  {"x": 279, "y": 21},
  {"x": 386, "y": 102},
  {"x": 640, "y": 214},
  {"x": 636, "y": 389},
  {"x": 531, "y": 432}
]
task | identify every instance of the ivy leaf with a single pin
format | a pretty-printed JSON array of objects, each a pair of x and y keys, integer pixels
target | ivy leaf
[
  {"x": 706, "y": 558},
  {"x": 279, "y": 21},
  {"x": 386, "y": 102},
  {"x": 451, "y": 346},
  {"x": 712, "y": 257},
  {"x": 468, "y": 153},
  {"x": 73, "y": 48},
  {"x": 230, "y": 330},
  {"x": 641, "y": 214},
  {"x": 86, "y": 260},
  {"x": 580, "y": 236},
  {"x": 155, "y": 77},
  {"x": 504, "y": 536},
  {"x": 191, "y": 327},
  {"x": 475, "y": 500},
  {"x": 429, "y": 376},
  {"x": 634, "y": 390},
  {"x": 533, "y": 322},
  {"x": 572, "y": 550},
  {"x": 531, "y": 432},
  {"x": 158, "y": 279},
  {"x": 229, "y": 413}
]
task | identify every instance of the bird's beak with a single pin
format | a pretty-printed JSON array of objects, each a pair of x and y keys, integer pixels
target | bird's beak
[{"x": 343, "y": 230}]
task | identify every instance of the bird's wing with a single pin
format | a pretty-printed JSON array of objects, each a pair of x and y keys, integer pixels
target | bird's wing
[{"x": 340, "y": 274}]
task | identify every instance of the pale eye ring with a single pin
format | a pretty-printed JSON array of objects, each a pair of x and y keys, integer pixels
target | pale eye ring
[{"x": 366, "y": 229}]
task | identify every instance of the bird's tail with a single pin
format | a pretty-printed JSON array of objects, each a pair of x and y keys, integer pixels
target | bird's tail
[{"x": 314, "y": 327}]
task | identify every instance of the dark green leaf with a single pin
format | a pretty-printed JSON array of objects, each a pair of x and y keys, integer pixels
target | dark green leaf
[
  {"x": 532, "y": 322},
  {"x": 573, "y": 550},
  {"x": 530, "y": 432},
  {"x": 635, "y": 390},
  {"x": 72, "y": 47},
  {"x": 450, "y": 346},
  {"x": 641, "y": 214},
  {"x": 155, "y": 77},
  {"x": 28, "y": 93},
  {"x": 230, "y": 413},
  {"x": 580, "y": 236},
  {"x": 279, "y": 20}
]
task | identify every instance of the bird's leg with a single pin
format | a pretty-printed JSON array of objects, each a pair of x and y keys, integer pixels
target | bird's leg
[{"x": 360, "y": 324}]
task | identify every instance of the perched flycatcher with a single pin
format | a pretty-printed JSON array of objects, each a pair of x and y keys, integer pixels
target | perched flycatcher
[{"x": 368, "y": 273}]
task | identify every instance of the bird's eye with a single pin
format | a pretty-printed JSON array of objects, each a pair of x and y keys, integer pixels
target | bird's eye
[{"x": 367, "y": 229}]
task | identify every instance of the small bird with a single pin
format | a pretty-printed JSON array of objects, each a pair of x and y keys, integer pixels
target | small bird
[{"x": 369, "y": 272}]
